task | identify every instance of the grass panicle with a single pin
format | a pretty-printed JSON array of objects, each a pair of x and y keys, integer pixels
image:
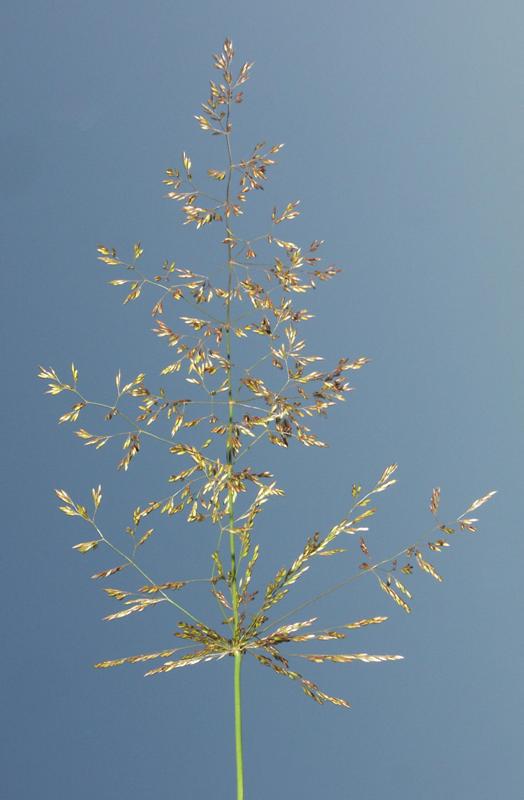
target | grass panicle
[{"x": 218, "y": 398}]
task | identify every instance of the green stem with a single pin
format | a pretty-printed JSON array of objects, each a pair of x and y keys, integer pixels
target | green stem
[
  {"x": 231, "y": 500},
  {"x": 238, "y": 728}
]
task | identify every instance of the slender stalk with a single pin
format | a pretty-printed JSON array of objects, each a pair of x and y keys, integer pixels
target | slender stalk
[
  {"x": 144, "y": 574},
  {"x": 230, "y": 461},
  {"x": 238, "y": 728}
]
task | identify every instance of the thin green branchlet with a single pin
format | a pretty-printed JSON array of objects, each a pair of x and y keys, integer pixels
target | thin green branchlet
[{"x": 240, "y": 409}]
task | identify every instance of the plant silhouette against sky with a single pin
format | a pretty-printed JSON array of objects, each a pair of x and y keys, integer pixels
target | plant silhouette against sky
[{"x": 248, "y": 377}]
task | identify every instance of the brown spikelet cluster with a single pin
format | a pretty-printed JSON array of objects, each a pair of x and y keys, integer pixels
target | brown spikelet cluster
[{"x": 238, "y": 371}]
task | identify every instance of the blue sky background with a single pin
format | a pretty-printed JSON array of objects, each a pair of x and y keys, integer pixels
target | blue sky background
[{"x": 403, "y": 125}]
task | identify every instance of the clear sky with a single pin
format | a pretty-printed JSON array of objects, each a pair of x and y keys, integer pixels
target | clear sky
[{"x": 403, "y": 125}]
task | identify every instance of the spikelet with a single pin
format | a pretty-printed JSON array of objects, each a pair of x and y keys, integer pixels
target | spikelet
[
  {"x": 427, "y": 567},
  {"x": 347, "y": 658},
  {"x": 362, "y": 622},
  {"x": 135, "y": 659},
  {"x": 396, "y": 597}
]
